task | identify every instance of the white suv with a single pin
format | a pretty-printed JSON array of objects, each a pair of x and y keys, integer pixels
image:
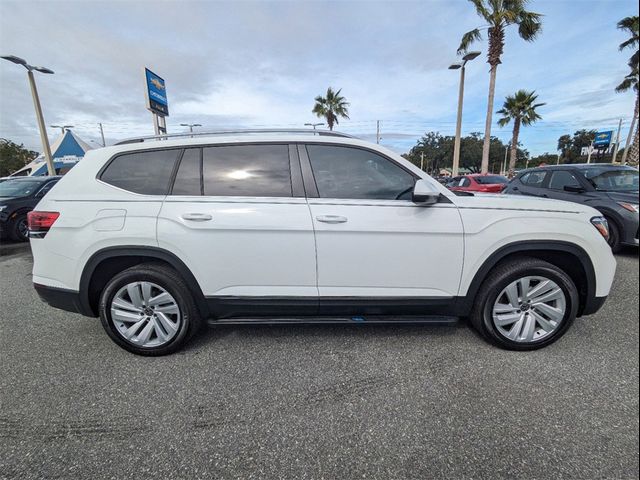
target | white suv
[{"x": 158, "y": 236}]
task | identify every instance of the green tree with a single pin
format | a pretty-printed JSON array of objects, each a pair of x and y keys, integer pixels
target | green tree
[
  {"x": 631, "y": 25},
  {"x": 521, "y": 109},
  {"x": 331, "y": 107},
  {"x": 498, "y": 15},
  {"x": 571, "y": 146},
  {"x": 13, "y": 157}
]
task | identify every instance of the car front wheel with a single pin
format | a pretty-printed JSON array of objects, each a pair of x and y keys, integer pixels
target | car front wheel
[
  {"x": 148, "y": 310},
  {"x": 525, "y": 304}
]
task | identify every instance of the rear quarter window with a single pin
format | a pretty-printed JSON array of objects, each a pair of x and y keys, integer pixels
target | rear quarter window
[{"x": 146, "y": 173}]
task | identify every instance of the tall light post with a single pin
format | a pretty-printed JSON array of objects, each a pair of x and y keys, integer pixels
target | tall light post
[
  {"x": 36, "y": 102},
  {"x": 190, "y": 125},
  {"x": 314, "y": 125},
  {"x": 456, "y": 145},
  {"x": 62, "y": 127}
]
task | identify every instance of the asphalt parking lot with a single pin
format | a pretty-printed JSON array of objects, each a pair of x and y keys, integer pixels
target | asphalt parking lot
[{"x": 315, "y": 401}]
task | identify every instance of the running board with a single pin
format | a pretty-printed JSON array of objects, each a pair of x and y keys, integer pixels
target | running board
[{"x": 379, "y": 319}]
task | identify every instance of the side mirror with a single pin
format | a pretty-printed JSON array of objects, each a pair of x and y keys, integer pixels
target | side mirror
[
  {"x": 573, "y": 189},
  {"x": 424, "y": 194}
]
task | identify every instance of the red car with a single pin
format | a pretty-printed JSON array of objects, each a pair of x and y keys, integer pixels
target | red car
[{"x": 478, "y": 183}]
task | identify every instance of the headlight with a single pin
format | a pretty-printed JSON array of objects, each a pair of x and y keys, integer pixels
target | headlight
[
  {"x": 632, "y": 207},
  {"x": 603, "y": 227}
]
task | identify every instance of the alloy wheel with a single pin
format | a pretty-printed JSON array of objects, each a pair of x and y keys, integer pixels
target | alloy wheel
[
  {"x": 529, "y": 309},
  {"x": 145, "y": 314}
]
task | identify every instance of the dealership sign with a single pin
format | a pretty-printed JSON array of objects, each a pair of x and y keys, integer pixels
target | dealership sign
[
  {"x": 156, "y": 94},
  {"x": 603, "y": 140}
]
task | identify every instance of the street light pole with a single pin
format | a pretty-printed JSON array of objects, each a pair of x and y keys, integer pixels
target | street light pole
[
  {"x": 456, "y": 145},
  {"x": 190, "y": 125},
  {"x": 36, "y": 103},
  {"x": 62, "y": 127},
  {"x": 314, "y": 125}
]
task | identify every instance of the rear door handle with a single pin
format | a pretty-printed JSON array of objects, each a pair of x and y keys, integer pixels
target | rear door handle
[
  {"x": 331, "y": 219},
  {"x": 197, "y": 217}
]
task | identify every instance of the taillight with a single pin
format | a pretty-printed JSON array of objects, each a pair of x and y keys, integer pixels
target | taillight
[{"x": 40, "y": 223}]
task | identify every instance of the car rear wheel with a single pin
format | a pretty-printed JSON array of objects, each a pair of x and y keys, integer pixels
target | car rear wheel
[
  {"x": 19, "y": 230},
  {"x": 148, "y": 310},
  {"x": 525, "y": 304}
]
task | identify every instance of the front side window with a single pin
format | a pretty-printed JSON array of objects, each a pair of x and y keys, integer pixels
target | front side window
[
  {"x": 147, "y": 173},
  {"x": 354, "y": 173},
  {"x": 561, "y": 179},
  {"x": 247, "y": 170}
]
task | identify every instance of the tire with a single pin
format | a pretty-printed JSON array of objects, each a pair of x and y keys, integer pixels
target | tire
[
  {"x": 18, "y": 230},
  {"x": 614, "y": 236},
  {"x": 157, "y": 329},
  {"x": 495, "y": 325}
]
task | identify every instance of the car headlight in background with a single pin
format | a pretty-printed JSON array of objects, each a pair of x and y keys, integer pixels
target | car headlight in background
[
  {"x": 602, "y": 226},
  {"x": 632, "y": 207}
]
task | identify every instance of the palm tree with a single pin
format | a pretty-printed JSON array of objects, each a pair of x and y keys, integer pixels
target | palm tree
[
  {"x": 331, "y": 107},
  {"x": 632, "y": 26},
  {"x": 499, "y": 14},
  {"x": 521, "y": 108}
]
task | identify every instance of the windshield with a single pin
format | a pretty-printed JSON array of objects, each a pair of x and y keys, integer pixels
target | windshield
[
  {"x": 18, "y": 188},
  {"x": 613, "y": 180},
  {"x": 491, "y": 179}
]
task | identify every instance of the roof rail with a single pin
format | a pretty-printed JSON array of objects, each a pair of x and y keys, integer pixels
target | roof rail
[{"x": 308, "y": 131}]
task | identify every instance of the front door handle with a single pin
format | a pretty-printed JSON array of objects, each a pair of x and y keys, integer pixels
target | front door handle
[
  {"x": 197, "y": 217},
  {"x": 331, "y": 219}
]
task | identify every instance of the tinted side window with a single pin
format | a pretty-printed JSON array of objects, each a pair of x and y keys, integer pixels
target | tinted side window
[
  {"x": 189, "y": 174},
  {"x": 343, "y": 172},
  {"x": 465, "y": 182},
  {"x": 562, "y": 178},
  {"x": 533, "y": 179},
  {"x": 247, "y": 170},
  {"x": 148, "y": 173}
]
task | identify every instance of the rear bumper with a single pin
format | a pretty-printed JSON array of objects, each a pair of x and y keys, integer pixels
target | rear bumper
[
  {"x": 68, "y": 300},
  {"x": 592, "y": 305}
]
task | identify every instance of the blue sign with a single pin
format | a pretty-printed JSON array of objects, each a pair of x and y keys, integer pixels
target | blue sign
[
  {"x": 603, "y": 139},
  {"x": 156, "y": 94}
]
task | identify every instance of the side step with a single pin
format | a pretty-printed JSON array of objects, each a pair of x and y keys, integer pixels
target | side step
[{"x": 378, "y": 319}]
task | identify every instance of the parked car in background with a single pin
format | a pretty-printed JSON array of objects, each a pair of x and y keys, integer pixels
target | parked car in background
[
  {"x": 478, "y": 183},
  {"x": 18, "y": 196},
  {"x": 611, "y": 189}
]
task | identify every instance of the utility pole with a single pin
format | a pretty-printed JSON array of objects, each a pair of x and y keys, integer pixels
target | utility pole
[
  {"x": 629, "y": 137},
  {"x": 504, "y": 165},
  {"x": 104, "y": 144},
  {"x": 377, "y": 131},
  {"x": 589, "y": 152},
  {"x": 422, "y": 161},
  {"x": 456, "y": 145},
  {"x": 615, "y": 149}
]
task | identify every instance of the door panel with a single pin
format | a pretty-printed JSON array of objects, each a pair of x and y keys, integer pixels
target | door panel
[
  {"x": 387, "y": 249},
  {"x": 242, "y": 246}
]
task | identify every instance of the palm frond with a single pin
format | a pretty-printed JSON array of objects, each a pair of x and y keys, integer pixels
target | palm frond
[
  {"x": 481, "y": 9},
  {"x": 468, "y": 39},
  {"x": 529, "y": 25}
]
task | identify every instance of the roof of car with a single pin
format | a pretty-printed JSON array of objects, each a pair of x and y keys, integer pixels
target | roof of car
[
  {"x": 579, "y": 166},
  {"x": 40, "y": 178}
]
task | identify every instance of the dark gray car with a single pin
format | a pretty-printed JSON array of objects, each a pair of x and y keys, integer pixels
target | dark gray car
[{"x": 611, "y": 189}]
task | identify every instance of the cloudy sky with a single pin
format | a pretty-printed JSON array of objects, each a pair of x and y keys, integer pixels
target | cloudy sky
[{"x": 260, "y": 64}]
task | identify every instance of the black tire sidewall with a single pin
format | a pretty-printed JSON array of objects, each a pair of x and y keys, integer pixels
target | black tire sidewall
[
  {"x": 15, "y": 228},
  {"x": 563, "y": 281},
  {"x": 176, "y": 291},
  {"x": 614, "y": 235}
]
